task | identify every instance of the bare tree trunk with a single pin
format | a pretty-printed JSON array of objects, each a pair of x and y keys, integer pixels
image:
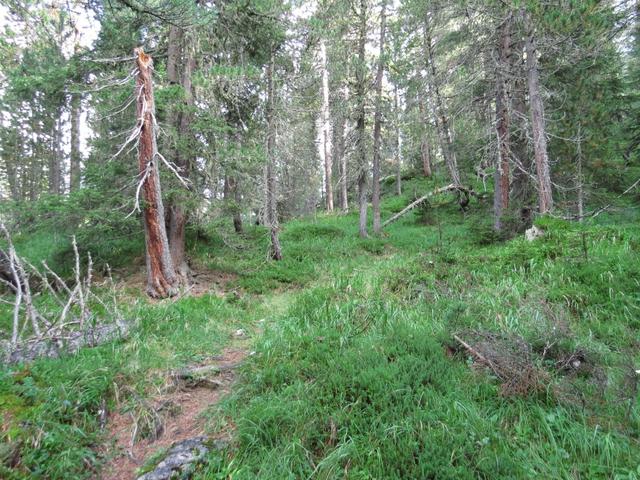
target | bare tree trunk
[
  {"x": 442, "y": 121},
  {"x": 237, "y": 199},
  {"x": 501, "y": 176},
  {"x": 341, "y": 153},
  {"x": 75, "y": 171},
  {"x": 538, "y": 128},
  {"x": 272, "y": 210},
  {"x": 161, "y": 277},
  {"x": 425, "y": 147},
  {"x": 56, "y": 155},
  {"x": 361, "y": 79},
  {"x": 520, "y": 180},
  {"x": 398, "y": 142},
  {"x": 180, "y": 54},
  {"x": 377, "y": 124},
  {"x": 325, "y": 130},
  {"x": 580, "y": 175}
]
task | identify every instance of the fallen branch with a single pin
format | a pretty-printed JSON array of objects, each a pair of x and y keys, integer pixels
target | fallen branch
[
  {"x": 478, "y": 355},
  {"x": 419, "y": 201}
]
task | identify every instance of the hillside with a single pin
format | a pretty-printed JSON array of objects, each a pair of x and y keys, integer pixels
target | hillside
[{"x": 351, "y": 364}]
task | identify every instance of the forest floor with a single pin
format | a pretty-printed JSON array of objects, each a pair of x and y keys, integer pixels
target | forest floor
[{"x": 352, "y": 364}]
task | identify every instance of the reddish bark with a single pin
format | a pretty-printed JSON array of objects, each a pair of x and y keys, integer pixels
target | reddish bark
[{"x": 161, "y": 278}]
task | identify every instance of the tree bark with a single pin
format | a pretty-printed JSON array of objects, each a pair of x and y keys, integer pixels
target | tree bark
[
  {"x": 161, "y": 277},
  {"x": 56, "y": 155},
  {"x": 341, "y": 139},
  {"x": 361, "y": 79},
  {"x": 580, "y": 175},
  {"x": 325, "y": 130},
  {"x": 180, "y": 66},
  {"x": 442, "y": 121},
  {"x": 425, "y": 147},
  {"x": 271, "y": 207},
  {"x": 75, "y": 168},
  {"x": 377, "y": 124},
  {"x": 538, "y": 128},
  {"x": 398, "y": 142},
  {"x": 501, "y": 176}
]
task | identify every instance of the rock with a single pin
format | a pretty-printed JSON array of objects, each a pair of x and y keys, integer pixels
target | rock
[
  {"x": 533, "y": 233},
  {"x": 240, "y": 333},
  {"x": 183, "y": 457}
]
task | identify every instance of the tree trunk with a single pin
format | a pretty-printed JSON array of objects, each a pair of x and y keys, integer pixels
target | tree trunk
[
  {"x": 56, "y": 155},
  {"x": 580, "y": 176},
  {"x": 180, "y": 66},
  {"x": 377, "y": 125},
  {"x": 361, "y": 88},
  {"x": 501, "y": 176},
  {"x": 341, "y": 155},
  {"x": 442, "y": 121},
  {"x": 398, "y": 142},
  {"x": 538, "y": 128},
  {"x": 520, "y": 180},
  {"x": 271, "y": 207},
  {"x": 75, "y": 168},
  {"x": 425, "y": 147},
  {"x": 236, "y": 197},
  {"x": 325, "y": 130},
  {"x": 161, "y": 278}
]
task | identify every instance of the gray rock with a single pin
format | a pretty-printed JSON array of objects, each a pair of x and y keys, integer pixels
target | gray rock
[{"x": 183, "y": 457}]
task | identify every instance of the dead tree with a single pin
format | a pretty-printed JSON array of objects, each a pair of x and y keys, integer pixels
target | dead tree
[
  {"x": 50, "y": 331},
  {"x": 161, "y": 276}
]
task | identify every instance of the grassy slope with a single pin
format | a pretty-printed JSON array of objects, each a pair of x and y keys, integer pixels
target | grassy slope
[{"x": 351, "y": 376}]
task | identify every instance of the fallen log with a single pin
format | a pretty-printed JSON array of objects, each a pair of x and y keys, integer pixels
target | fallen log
[
  {"x": 449, "y": 188},
  {"x": 419, "y": 201}
]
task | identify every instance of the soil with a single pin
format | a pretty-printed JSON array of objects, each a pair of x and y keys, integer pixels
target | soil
[{"x": 187, "y": 422}]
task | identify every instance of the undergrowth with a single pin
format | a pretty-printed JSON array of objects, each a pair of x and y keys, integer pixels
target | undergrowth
[{"x": 357, "y": 374}]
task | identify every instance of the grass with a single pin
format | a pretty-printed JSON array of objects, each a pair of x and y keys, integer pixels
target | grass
[{"x": 352, "y": 377}]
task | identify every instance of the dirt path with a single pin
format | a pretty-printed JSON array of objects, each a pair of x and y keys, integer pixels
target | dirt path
[{"x": 179, "y": 412}]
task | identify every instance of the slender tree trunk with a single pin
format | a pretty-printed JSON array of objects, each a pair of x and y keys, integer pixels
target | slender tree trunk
[
  {"x": 56, "y": 155},
  {"x": 325, "y": 130},
  {"x": 377, "y": 124},
  {"x": 398, "y": 142},
  {"x": 271, "y": 207},
  {"x": 236, "y": 198},
  {"x": 442, "y": 121},
  {"x": 361, "y": 79},
  {"x": 425, "y": 147},
  {"x": 75, "y": 168},
  {"x": 520, "y": 180},
  {"x": 344, "y": 172},
  {"x": 161, "y": 277},
  {"x": 538, "y": 128},
  {"x": 580, "y": 176},
  {"x": 501, "y": 176},
  {"x": 180, "y": 66}
]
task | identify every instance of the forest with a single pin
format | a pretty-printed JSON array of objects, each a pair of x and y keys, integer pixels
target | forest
[{"x": 319, "y": 239}]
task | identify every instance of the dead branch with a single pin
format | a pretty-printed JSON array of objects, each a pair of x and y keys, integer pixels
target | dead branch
[
  {"x": 414, "y": 204},
  {"x": 54, "y": 332}
]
